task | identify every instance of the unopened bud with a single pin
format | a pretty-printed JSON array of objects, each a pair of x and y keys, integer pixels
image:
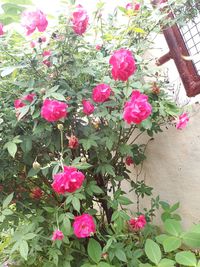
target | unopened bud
[
  {"x": 83, "y": 159},
  {"x": 36, "y": 165},
  {"x": 60, "y": 127},
  {"x": 43, "y": 91},
  {"x": 155, "y": 89},
  {"x": 104, "y": 256}
]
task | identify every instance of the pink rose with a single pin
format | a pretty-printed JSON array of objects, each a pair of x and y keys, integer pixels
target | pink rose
[
  {"x": 88, "y": 107},
  {"x": 53, "y": 110},
  {"x": 129, "y": 160},
  {"x": 131, "y": 6},
  {"x": 57, "y": 235},
  {"x": 19, "y": 103},
  {"x": 80, "y": 20},
  {"x": 34, "y": 19},
  {"x": 84, "y": 226},
  {"x": 32, "y": 44},
  {"x": 98, "y": 47},
  {"x": 36, "y": 193},
  {"x": 1, "y": 29},
  {"x": 138, "y": 223},
  {"x": 73, "y": 142},
  {"x": 137, "y": 109},
  {"x": 182, "y": 122},
  {"x": 101, "y": 93},
  {"x": 47, "y": 63},
  {"x": 46, "y": 53},
  {"x": 123, "y": 64},
  {"x": 43, "y": 39},
  {"x": 68, "y": 181}
]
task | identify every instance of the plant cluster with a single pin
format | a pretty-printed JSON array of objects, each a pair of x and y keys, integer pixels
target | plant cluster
[{"x": 75, "y": 101}]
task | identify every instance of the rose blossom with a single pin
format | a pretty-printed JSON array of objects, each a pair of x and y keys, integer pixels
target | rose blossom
[
  {"x": 47, "y": 63},
  {"x": 43, "y": 39},
  {"x": 73, "y": 142},
  {"x": 123, "y": 64},
  {"x": 80, "y": 20},
  {"x": 137, "y": 108},
  {"x": 19, "y": 103},
  {"x": 98, "y": 47},
  {"x": 34, "y": 19},
  {"x": 138, "y": 223},
  {"x": 53, "y": 110},
  {"x": 46, "y": 53},
  {"x": 36, "y": 193},
  {"x": 134, "y": 7},
  {"x": 1, "y": 29},
  {"x": 101, "y": 93},
  {"x": 129, "y": 160},
  {"x": 57, "y": 235},
  {"x": 32, "y": 44},
  {"x": 182, "y": 122},
  {"x": 88, "y": 107},
  {"x": 84, "y": 226},
  {"x": 68, "y": 181}
]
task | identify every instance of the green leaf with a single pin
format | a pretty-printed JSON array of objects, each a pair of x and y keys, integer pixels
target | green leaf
[
  {"x": 172, "y": 227},
  {"x": 146, "y": 124},
  {"x": 120, "y": 254},
  {"x": 124, "y": 200},
  {"x": 88, "y": 143},
  {"x": 138, "y": 30},
  {"x": 29, "y": 236},
  {"x": 7, "y": 200},
  {"x": 175, "y": 207},
  {"x": 166, "y": 263},
  {"x": 19, "y": 2},
  {"x": 32, "y": 172},
  {"x": 96, "y": 189},
  {"x": 58, "y": 96},
  {"x": 191, "y": 239},
  {"x": 26, "y": 144},
  {"x": 138, "y": 253},
  {"x": 7, "y": 71},
  {"x": 82, "y": 165},
  {"x": 195, "y": 228},
  {"x": 186, "y": 258},
  {"x": 171, "y": 243},
  {"x": 161, "y": 238},
  {"x": 76, "y": 203},
  {"x": 145, "y": 265},
  {"x": 153, "y": 251},
  {"x": 88, "y": 265},
  {"x": 11, "y": 147},
  {"x": 7, "y": 212},
  {"x": 94, "y": 250},
  {"x": 23, "y": 249},
  {"x": 103, "y": 264}
]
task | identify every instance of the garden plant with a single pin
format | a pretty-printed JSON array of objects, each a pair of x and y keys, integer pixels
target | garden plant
[{"x": 75, "y": 100}]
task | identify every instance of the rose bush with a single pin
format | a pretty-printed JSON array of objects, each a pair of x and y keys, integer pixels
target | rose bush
[{"x": 70, "y": 119}]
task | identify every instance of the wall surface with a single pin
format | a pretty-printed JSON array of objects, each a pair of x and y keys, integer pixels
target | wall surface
[{"x": 172, "y": 168}]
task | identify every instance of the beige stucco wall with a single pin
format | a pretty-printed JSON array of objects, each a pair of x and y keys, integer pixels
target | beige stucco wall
[{"x": 172, "y": 168}]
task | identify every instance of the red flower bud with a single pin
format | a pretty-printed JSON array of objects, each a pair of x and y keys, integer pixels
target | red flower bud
[{"x": 73, "y": 142}]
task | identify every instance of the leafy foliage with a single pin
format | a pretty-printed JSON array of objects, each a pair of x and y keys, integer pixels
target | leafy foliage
[{"x": 34, "y": 150}]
